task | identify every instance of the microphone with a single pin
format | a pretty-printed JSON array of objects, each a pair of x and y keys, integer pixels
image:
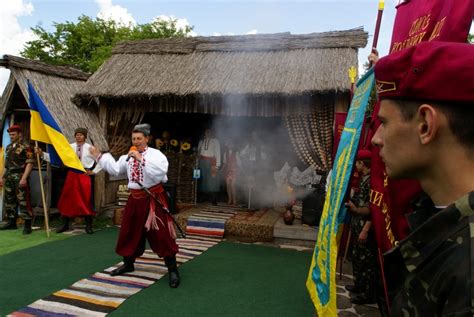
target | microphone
[{"x": 132, "y": 148}]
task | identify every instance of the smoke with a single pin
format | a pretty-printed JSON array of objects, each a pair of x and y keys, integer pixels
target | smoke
[
  {"x": 262, "y": 148},
  {"x": 261, "y": 143}
]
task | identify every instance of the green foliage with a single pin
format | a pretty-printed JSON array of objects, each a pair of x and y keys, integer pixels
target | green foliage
[
  {"x": 88, "y": 43},
  {"x": 470, "y": 38}
]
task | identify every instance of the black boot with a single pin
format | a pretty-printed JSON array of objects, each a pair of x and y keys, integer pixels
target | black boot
[
  {"x": 27, "y": 227},
  {"x": 89, "y": 224},
  {"x": 172, "y": 271},
  {"x": 65, "y": 226},
  {"x": 10, "y": 225},
  {"x": 126, "y": 267}
]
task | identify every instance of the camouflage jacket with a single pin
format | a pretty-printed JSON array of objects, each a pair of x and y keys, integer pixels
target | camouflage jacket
[
  {"x": 436, "y": 265},
  {"x": 18, "y": 155}
]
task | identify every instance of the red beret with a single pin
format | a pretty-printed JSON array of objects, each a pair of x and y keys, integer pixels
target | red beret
[
  {"x": 14, "y": 128},
  {"x": 364, "y": 155},
  {"x": 436, "y": 71}
]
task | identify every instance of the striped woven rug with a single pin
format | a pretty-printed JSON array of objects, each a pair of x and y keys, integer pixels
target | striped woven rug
[
  {"x": 100, "y": 293},
  {"x": 210, "y": 221}
]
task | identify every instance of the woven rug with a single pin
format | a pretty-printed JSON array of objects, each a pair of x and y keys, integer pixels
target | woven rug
[
  {"x": 210, "y": 221},
  {"x": 100, "y": 293},
  {"x": 253, "y": 226}
]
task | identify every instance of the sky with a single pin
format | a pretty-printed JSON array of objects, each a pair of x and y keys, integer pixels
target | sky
[{"x": 208, "y": 17}]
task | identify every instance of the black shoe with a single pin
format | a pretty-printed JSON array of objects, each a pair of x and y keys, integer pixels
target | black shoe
[
  {"x": 65, "y": 226},
  {"x": 352, "y": 289},
  {"x": 10, "y": 225},
  {"x": 27, "y": 227},
  {"x": 362, "y": 300},
  {"x": 89, "y": 224},
  {"x": 123, "y": 269},
  {"x": 172, "y": 271},
  {"x": 174, "y": 278}
]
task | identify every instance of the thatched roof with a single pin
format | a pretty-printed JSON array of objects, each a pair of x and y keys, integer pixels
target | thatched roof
[
  {"x": 55, "y": 85},
  {"x": 270, "y": 64}
]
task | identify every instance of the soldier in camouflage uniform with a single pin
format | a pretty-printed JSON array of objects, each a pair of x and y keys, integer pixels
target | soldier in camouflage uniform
[
  {"x": 427, "y": 110},
  {"x": 18, "y": 165},
  {"x": 364, "y": 249}
]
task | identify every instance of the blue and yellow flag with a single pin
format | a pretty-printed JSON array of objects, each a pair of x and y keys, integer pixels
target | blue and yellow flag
[
  {"x": 321, "y": 282},
  {"x": 43, "y": 128}
]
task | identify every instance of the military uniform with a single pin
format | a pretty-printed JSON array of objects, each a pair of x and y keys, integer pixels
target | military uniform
[
  {"x": 438, "y": 275},
  {"x": 430, "y": 272},
  {"x": 363, "y": 254},
  {"x": 17, "y": 156}
]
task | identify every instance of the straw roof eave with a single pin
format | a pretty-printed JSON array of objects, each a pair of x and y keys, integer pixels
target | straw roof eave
[
  {"x": 282, "y": 64},
  {"x": 56, "y": 92}
]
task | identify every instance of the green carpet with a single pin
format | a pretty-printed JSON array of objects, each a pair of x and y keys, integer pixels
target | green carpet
[
  {"x": 30, "y": 274},
  {"x": 231, "y": 280},
  {"x": 14, "y": 240},
  {"x": 227, "y": 280}
]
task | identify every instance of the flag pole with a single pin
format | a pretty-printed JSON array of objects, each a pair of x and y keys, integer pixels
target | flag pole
[
  {"x": 46, "y": 220},
  {"x": 374, "y": 48},
  {"x": 352, "y": 76},
  {"x": 377, "y": 27}
]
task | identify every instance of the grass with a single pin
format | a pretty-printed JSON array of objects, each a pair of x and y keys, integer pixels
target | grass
[{"x": 14, "y": 240}]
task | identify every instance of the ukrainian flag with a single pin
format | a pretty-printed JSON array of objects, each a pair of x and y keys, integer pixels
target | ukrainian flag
[{"x": 43, "y": 128}]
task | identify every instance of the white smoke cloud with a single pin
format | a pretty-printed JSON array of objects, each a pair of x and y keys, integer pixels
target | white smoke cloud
[
  {"x": 119, "y": 14},
  {"x": 12, "y": 36}
]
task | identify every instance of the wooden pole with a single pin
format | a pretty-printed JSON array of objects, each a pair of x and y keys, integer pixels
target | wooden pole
[
  {"x": 346, "y": 248},
  {"x": 377, "y": 27},
  {"x": 46, "y": 220}
]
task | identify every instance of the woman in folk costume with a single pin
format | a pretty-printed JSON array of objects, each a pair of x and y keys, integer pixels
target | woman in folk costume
[
  {"x": 143, "y": 217},
  {"x": 77, "y": 187}
]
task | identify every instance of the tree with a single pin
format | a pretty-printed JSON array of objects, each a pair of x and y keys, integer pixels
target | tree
[{"x": 89, "y": 43}]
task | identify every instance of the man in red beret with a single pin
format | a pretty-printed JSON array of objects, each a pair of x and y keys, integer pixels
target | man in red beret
[
  {"x": 18, "y": 165},
  {"x": 427, "y": 133},
  {"x": 364, "y": 259}
]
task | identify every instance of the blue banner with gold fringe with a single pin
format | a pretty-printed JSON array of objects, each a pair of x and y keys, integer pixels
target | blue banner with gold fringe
[{"x": 321, "y": 282}]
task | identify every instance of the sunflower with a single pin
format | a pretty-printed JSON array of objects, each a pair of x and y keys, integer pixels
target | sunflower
[
  {"x": 159, "y": 143},
  {"x": 174, "y": 142},
  {"x": 185, "y": 146}
]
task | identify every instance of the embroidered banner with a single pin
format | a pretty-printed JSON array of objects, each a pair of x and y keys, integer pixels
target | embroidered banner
[
  {"x": 434, "y": 20},
  {"x": 321, "y": 282}
]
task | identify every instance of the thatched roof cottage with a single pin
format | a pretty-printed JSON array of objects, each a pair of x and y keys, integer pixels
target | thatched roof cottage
[
  {"x": 55, "y": 85},
  {"x": 302, "y": 79}
]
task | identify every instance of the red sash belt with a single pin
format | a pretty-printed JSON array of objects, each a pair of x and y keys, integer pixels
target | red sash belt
[
  {"x": 140, "y": 193},
  {"x": 153, "y": 221}
]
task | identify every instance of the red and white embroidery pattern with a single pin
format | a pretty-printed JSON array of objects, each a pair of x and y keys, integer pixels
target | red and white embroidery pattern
[{"x": 136, "y": 168}]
